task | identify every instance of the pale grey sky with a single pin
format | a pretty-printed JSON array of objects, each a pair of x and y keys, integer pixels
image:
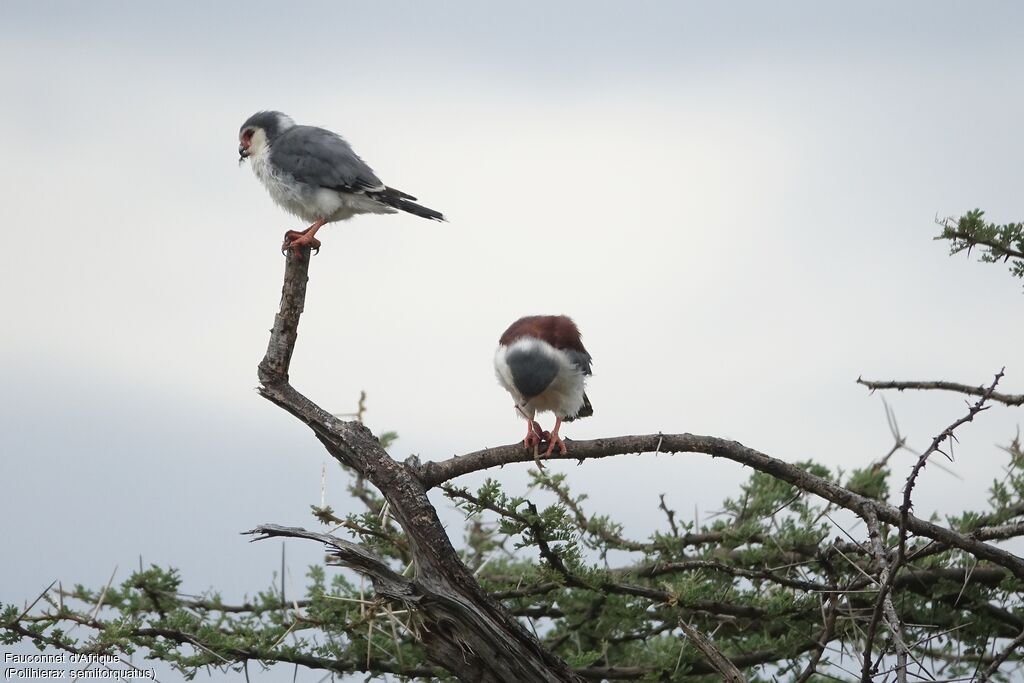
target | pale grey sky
[{"x": 734, "y": 201}]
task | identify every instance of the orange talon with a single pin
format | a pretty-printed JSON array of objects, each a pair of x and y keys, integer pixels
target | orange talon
[
  {"x": 534, "y": 435},
  {"x": 296, "y": 240},
  {"x": 553, "y": 439}
]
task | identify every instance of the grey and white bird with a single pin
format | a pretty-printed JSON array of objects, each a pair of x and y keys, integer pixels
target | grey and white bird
[
  {"x": 542, "y": 363},
  {"x": 314, "y": 174}
]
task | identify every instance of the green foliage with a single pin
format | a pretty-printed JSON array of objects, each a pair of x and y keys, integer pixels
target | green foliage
[
  {"x": 872, "y": 482},
  {"x": 997, "y": 243},
  {"x": 760, "y": 578},
  {"x": 748, "y": 577},
  {"x": 387, "y": 438}
]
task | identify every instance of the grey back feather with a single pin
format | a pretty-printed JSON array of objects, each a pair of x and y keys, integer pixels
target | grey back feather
[
  {"x": 320, "y": 158},
  {"x": 580, "y": 359}
]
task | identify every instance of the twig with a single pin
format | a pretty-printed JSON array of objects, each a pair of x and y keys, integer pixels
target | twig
[
  {"x": 670, "y": 514},
  {"x": 827, "y": 632},
  {"x": 996, "y": 246},
  {"x": 1001, "y": 658},
  {"x": 1007, "y": 399},
  {"x": 883, "y": 607},
  {"x": 718, "y": 661}
]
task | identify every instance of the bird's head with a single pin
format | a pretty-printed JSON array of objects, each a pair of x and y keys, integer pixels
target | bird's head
[{"x": 259, "y": 130}]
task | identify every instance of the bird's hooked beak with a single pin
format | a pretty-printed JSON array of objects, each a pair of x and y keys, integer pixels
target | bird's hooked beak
[{"x": 244, "y": 143}]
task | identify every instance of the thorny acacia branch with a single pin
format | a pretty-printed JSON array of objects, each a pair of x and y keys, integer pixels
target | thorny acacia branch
[
  {"x": 883, "y": 607},
  {"x": 883, "y": 604},
  {"x": 434, "y": 473},
  {"x": 1007, "y": 399}
]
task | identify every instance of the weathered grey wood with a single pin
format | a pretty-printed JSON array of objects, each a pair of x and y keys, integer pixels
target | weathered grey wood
[{"x": 463, "y": 629}]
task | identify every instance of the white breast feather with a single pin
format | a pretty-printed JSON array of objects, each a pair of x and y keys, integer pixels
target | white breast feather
[
  {"x": 563, "y": 397},
  {"x": 504, "y": 373},
  {"x": 285, "y": 192}
]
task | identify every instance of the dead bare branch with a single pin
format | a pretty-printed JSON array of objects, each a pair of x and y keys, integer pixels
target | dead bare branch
[{"x": 1006, "y": 399}]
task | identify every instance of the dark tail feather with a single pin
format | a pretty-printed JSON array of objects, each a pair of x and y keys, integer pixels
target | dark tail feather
[
  {"x": 401, "y": 201},
  {"x": 586, "y": 411},
  {"x": 418, "y": 210}
]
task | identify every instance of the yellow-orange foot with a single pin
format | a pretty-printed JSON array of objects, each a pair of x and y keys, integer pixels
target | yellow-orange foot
[
  {"x": 533, "y": 439},
  {"x": 534, "y": 435},
  {"x": 554, "y": 439},
  {"x": 551, "y": 446}
]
